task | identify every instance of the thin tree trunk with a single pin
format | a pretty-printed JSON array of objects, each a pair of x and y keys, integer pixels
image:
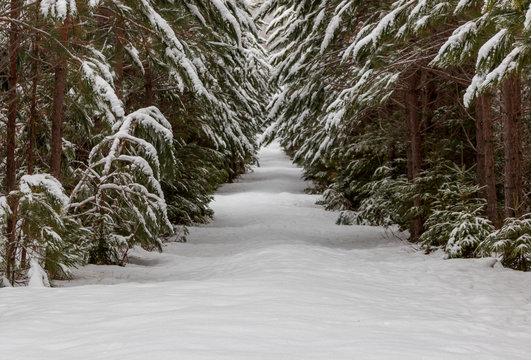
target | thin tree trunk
[
  {"x": 480, "y": 146},
  {"x": 31, "y": 129},
  {"x": 512, "y": 128},
  {"x": 485, "y": 103},
  {"x": 413, "y": 105},
  {"x": 58, "y": 106},
  {"x": 11, "y": 138},
  {"x": 33, "y": 107}
]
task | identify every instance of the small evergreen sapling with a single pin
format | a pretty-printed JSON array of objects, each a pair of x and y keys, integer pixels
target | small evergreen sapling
[
  {"x": 47, "y": 237},
  {"x": 53, "y": 236},
  {"x": 466, "y": 236},
  {"x": 511, "y": 243},
  {"x": 456, "y": 222},
  {"x": 388, "y": 200},
  {"x": 120, "y": 197}
]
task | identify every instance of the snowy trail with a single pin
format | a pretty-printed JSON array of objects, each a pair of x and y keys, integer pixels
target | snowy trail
[{"x": 273, "y": 278}]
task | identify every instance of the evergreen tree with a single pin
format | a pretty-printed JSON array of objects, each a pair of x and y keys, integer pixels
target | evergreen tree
[
  {"x": 374, "y": 102},
  {"x": 84, "y": 66}
]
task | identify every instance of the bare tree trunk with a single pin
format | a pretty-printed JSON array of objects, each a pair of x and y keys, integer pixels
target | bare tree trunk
[
  {"x": 11, "y": 138},
  {"x": 484, "y": 102},
  {"x": 512, "y": 128},
  {"x": 58, "y": 106},
  {"x": 413, "y": 106}
]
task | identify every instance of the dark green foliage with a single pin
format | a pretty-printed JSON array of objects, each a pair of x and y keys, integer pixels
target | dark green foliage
[
  {"x": 199, "y": 172},
  {"x": 456, "y": 221},
  {"x": 512, "y": 243},
  {"x": 344, "y": 109},
  {"x": 47, "y": 233},
  {"x": 201, "y": 64}
]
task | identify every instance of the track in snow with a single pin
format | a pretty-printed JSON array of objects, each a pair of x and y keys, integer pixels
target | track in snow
[{"x": 273, "y": 278}]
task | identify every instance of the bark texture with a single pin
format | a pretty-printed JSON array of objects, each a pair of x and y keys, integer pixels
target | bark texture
[
  {"x": 59, "y": 105},
  {"x": 512, "y": 129},
  {"x": 33, "y": 106},
  {"x": 480, "y": 146},
  {"x": 14, "y": 43}
]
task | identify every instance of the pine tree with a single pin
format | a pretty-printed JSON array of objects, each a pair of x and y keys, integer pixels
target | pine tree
[
  {"x": 395, "y": 75},
  {"x": 119, "y": 197},
  {"x": 80, "y": 72},
  {"x": 50, "y": 236}
]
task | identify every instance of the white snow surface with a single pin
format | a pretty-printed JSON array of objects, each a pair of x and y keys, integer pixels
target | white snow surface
[{"x": 273, "y": 278}]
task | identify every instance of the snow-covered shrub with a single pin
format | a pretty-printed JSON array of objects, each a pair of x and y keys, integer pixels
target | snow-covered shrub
[
  {"x": 120, "y": 197},
  {"x": 347, "y": 217},
  {"x": 52, "y": 235},
  {"x": 356, "y": 167},
  {"x": 389, "y": 203},
  {"x": 45, "y": 233},
  {"x": 456, "y": 221},
  {"x": 460, "y": 232},
  {"x": 334, "y": 198},
  {"x": 512, "y": 243}
]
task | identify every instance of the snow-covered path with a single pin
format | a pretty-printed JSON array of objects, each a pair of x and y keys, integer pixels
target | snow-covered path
[{"x": 273, "y": 278}]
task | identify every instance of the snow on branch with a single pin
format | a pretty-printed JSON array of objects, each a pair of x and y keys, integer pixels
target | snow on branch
[
  {"x": 383, "y": 26},
  {"x": 334, "y": 24},
  {"x": 58, "y": 9},
  {"x": 508, "y": 66},
  {"x": 47, "y": 184},
  {"x": 98, "y": 76},
  {"x": 490, "y": 48},
  {"x": 527, "y": 21},
  {"x": 148, "y": 118},
  {"x": 458, "y": 47},
  {"x": 220, "y": 5},
  {"x": 174, "y": 48}
]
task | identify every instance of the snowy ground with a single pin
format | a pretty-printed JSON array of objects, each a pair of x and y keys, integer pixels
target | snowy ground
[{"x": 273, "y": 278}]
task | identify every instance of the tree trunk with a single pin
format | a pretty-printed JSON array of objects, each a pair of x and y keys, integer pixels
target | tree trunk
[
  {"x": 58, "y": 105},
  {"x": 484, "y": 102},
  {"x": 414, "y": 126},
  {"x": 480, "y": 146},
  {"x": 11, "y": 138},
  {"x": 511, "y": 107},
  {"x": 33, "y": 106},
  {"x": 31, "y": 130}
]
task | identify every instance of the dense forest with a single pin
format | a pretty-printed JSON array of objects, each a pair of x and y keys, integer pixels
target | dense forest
[
  {"x": 119, "y": 119},
  {"x": 412, "y": 113}
]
